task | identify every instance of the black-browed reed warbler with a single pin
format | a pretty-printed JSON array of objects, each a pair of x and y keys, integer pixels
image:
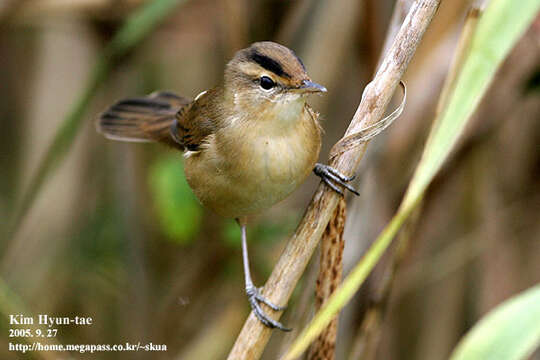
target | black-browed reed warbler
[{"x": 247, "y": 144}]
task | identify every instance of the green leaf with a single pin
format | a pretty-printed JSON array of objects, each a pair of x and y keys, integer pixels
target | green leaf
[
  {"x": 178, "y": 210},
  {"x": 511, "y": 331},
  {"x": 497, "y": 31}
]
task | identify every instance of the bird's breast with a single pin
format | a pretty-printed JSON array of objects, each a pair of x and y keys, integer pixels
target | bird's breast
[{"x": 250, "y": 168}]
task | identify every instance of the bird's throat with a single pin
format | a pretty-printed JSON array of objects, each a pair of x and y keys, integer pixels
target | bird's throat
[{"x": 284, "y": 114}]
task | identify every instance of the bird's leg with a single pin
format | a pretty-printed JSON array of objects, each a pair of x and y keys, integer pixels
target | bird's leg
[
  {"x": 331, "y": 177},
  {"x": 254, "y": 294}
]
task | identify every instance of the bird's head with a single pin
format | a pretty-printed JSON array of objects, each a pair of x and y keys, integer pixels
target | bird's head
[{"x": 267, "y": 75}]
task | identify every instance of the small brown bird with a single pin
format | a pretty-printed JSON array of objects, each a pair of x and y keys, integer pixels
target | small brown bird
[{"x": 247, "y": 144}]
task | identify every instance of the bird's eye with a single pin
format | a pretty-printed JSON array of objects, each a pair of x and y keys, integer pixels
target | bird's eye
[{"x": 266, "y": 83}]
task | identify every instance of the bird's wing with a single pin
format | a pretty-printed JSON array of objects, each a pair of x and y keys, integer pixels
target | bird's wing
[
  {"x": 194, "y": 123},
  {"x": 143, "y": 119}
]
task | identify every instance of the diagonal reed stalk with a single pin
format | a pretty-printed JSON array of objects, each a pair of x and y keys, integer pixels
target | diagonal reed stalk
[
  {"x": 498, "y": 29},
  {"x": 254, "y": 336},
  {"x": 369, "y": 334}
]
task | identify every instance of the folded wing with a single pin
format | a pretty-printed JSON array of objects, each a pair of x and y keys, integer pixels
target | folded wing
[{"x": 144, "y": 119}]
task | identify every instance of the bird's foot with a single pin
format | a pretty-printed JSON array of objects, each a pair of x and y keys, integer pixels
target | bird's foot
[
  {"x": 255, "y": 298},
  {"x": 331, "y": 177}
]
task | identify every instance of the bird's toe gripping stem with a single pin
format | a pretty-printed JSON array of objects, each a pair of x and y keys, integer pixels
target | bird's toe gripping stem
[
  {"x": 331, "y": 177},
  {"x": 255, "y": 298}
]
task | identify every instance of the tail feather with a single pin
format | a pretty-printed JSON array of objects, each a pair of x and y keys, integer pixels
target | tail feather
[{"x": 142, "y": 119}]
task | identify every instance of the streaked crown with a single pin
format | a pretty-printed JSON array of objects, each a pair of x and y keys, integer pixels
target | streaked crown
[{"x": 271, "y": 69}]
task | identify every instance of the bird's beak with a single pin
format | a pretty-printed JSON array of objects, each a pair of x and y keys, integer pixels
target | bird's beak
[{"x": 312, "y": 87}]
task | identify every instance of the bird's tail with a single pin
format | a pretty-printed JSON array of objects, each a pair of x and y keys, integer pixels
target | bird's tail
[{"x": 142, "y": 119}]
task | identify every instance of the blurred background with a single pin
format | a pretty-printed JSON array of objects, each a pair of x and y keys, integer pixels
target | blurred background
[{"x": 116, "y": 234}]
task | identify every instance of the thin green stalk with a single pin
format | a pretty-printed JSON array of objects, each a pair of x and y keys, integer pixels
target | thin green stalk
[
  {"x": 403, "y": 240},
  {"x": 497, "y": 31}
]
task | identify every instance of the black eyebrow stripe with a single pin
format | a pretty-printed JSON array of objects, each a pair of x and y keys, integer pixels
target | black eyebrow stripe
[{"x": 268, "y": 64}]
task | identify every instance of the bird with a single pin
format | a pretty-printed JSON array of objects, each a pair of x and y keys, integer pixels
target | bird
[{"x": 248, "y": 143}]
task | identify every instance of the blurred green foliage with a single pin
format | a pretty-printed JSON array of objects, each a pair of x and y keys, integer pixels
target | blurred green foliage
[
  {"x": 127, "y": 244},
  {"x": 177, "y": 208},
  {"x": 135, "y": 29},
  {"x": 265, "y": 232},
  {"x": 99, "y": 240},
  {"x": 231, "y": 234}
]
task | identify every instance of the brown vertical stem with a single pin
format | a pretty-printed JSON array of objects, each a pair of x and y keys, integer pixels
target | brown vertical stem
[
  {"x": 369, "y": 333},
  {"x": 330, "y": 274},
  {"x": 296, "y": 255}
]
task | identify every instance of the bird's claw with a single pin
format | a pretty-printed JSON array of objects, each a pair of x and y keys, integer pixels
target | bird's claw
[
  {"x": 255, "y": 298},
  {"x": 271, "y": 305},
  {"x": 331, "y": 177}
]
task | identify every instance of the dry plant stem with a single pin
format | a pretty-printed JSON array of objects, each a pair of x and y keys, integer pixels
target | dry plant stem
[
  {"x": 330, "y": 274},
  {"x": 365, "y": 345},
  {"x": 398, "y": 15},
  {"x": 367, "y": 336},
  {"x": 303, "y": 307},
  {"x": 254, "y": 336}
]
